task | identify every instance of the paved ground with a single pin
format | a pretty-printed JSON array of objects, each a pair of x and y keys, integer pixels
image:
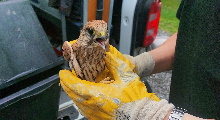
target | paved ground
[{"x": 160, "y": 84}]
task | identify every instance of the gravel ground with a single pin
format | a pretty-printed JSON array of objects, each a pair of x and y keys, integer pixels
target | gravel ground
[{"x": 160, "y": 82}]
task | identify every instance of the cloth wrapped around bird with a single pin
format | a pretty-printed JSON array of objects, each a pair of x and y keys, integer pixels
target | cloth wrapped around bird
[{"x": 126, "y": 98}]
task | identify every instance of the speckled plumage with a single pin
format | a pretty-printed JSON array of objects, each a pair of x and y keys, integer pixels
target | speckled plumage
[{"x": 86, "y": 55}]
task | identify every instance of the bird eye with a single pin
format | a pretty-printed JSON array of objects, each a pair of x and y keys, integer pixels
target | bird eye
[{"x": 90, "y": 31}]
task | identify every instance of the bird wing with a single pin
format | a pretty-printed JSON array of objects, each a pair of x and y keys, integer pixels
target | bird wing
[{"x": 69, "y": 55}]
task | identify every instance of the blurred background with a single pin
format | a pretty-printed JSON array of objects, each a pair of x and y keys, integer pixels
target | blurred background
[{"x": 168, "y": 20}]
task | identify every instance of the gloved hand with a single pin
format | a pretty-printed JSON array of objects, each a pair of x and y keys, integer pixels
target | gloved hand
[
  {"x": 144, "y": 63},
  {"x": 126, "y": 98}
]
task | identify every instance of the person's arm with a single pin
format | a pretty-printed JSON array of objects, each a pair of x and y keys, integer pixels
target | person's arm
[
  {"x": 164, "y": 55},
  {"x": 157, "y": 60}
]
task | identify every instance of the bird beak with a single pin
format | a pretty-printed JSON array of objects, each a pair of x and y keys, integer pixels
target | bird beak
[{"x": 101, "y": 39}]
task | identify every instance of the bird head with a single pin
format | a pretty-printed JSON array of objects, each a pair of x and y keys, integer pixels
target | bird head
[{"x": 96, "y": 33}]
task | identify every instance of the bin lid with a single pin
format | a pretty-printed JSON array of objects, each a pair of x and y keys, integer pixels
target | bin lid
[{"x": 24, "y": 46}]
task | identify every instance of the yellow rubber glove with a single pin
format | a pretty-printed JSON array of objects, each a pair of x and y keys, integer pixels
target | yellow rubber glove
[{"x": 125, "y": 98}]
